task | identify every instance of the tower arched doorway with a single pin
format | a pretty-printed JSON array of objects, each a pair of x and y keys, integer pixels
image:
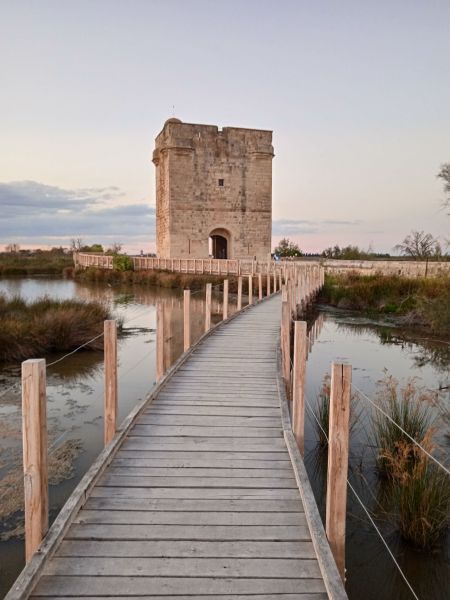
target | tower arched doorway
[{"x": 219, "y": 243}]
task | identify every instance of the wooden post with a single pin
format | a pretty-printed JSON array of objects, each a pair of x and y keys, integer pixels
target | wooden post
[
  {"x": 268, "y": 284},
  {"x": 274, "y": 283},
  {"x": 280, "y": 283},
  {"x": 338, "y": 436},
  {"x": 208, "y": 307},
  {"x": 298, "y": 384},
  {"x": 260, "y": 291},
  {"x": 250, "y": 289},
  {"x": 186, "y": 320},
  {"x": 225, "y": 299},
  {"x": 239, "y": 298},
  {"x": 285, "y": 338},
  {"x": 34, "y": 434},
  {"x": 110, "y": 399}
]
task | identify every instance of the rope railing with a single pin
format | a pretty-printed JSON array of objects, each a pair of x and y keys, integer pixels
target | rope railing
[{"x": 363, "y": 506}]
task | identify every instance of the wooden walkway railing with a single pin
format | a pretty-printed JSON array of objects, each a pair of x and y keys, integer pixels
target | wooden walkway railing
[
  {"x": 202, "y": 492},
  {"x": 200, "y": 266}
]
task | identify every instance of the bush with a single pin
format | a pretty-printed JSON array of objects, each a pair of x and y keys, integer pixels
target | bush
[
  {"x": 31, "y": 329},
  {"x": 122, "y": 262}
]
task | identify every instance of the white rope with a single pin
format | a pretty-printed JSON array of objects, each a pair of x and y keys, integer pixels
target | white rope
[
  {"x": 310, "y": 410},
  {"x": 402, "y": 430}
]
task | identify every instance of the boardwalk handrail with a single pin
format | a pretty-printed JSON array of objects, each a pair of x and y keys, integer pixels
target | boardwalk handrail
[
  {"x": 29, "y": 576},
  {"x": 333, "y": 582},
  {"x": 196, "y": 266}
]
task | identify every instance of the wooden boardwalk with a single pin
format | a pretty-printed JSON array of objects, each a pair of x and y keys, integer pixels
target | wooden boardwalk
[{"x": 200, "y": 495}]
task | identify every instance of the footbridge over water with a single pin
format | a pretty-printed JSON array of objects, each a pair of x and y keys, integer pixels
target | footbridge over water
[{"x": 201, "y": 493}]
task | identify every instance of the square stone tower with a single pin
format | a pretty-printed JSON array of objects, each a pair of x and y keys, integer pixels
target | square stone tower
[{"x": 213, "y": 191}]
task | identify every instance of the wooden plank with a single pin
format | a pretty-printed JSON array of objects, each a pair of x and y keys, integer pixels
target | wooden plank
[
  {"x": 204, "y": 443},
  {"x": 198, "y": 458},
  {"x": 110, "y": 479},
  {"x": 199, "y": 549},
  {"x": 223, "y": 411},
  {"x": 145, "y": 517},
  {"x": 128, "y": 468},
  {"x": 197, "y": 505},
  {"x": 200, "y": 493},
  {"x": 188, "y": 532},
  {"x": 189, "y": 586},
  {"x": 299, "y": 596},
  {"x": 184, "y": 567},
  {"x": 197, "y": 431},
  {"x": 152, "y": 418}
]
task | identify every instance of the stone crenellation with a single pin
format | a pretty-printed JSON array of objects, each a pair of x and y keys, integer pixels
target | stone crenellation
[{"x": 213, "y": 191}]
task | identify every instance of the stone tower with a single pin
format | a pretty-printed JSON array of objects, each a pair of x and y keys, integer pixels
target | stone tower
[{"x": 213, "y": 191}]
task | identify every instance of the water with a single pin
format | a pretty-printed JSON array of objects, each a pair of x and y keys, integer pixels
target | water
[{"x": 75, "y": 389}]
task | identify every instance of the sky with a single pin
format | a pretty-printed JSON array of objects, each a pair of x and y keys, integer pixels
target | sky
[{"x": 357, "y": 94}]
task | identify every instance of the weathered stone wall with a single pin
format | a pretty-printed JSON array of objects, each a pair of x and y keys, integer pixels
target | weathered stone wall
[
  {"x": 192, "y": 161},
  {"x": 405, "y": 268}
]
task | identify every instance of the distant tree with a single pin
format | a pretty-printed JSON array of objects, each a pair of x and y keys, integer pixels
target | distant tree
[
  {"x": 116, "y": 247},
  {"x": 287, "y": 248},
  {"x": 349, "y": 253},
  {"x": 420, "y": 246},
  {"x": 95, "y": 248},
  {"x": 76, "y": 244},
  {"x": 444, "y": 174},
  {"x": 12, "y": 248}
]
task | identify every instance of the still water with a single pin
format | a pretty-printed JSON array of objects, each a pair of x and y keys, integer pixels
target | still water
[{"x": 75, "y": 388}]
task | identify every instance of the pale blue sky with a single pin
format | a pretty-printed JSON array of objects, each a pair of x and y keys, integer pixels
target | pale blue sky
[{"x": 356, "y": 93}]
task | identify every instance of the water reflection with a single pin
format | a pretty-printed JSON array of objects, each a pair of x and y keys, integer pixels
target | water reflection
[{"x": 151, "y": 342}]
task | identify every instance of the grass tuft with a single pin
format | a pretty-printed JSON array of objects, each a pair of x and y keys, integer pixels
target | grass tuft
[{"x": 29, "y": 330}]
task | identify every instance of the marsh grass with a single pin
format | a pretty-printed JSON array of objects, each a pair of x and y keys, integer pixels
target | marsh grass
[
  {"x": 410, "y": 408},
  {"x": 419, "y": 300},
  {"x": 31, "y": 329},
  {"x": 421, "y": 493},
  {"x": 43, "y": 262}
]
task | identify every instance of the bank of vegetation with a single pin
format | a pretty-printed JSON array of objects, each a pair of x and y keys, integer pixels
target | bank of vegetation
[
  {"x": 37, "y": 262},
  {"x": 32, "y": 329},
  {"x": 418, "y": 301},
  {"x": 162, "y": 279}
]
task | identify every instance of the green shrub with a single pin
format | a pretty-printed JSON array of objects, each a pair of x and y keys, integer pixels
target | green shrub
[{"x": 122, "y": 262}]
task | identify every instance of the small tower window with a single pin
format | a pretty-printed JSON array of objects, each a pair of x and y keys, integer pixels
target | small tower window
[{"x": 221, "y": 182}]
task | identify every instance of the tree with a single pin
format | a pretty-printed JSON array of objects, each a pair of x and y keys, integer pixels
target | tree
[
  {"x": 287, "y": 248},
  {"x": 116, "y": 247},
  {"x": 420, "y": 246},
  {"x": 76, "y": 244},
  {"x": 444, "y": 174},
  {"x": 12, "y": 248}
]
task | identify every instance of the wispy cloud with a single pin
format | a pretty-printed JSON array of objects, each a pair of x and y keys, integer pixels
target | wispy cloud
[
  {"x": 32, "y": 212},
  {"x": 301, "y": 226}
]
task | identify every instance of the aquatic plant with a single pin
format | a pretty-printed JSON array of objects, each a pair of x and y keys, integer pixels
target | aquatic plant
[
  {"x": 31, "y": 329},
  {"x": 408, "y": 409},
  {"x": 421, "y": 493}
]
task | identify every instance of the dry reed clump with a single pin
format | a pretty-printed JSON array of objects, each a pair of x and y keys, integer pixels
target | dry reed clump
[
  {"x": 408, "y": 407},
  {"x": 419, "y": 490},
  {"x": 421, "y": 493},
  {"x": 46, "y": 325}
]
